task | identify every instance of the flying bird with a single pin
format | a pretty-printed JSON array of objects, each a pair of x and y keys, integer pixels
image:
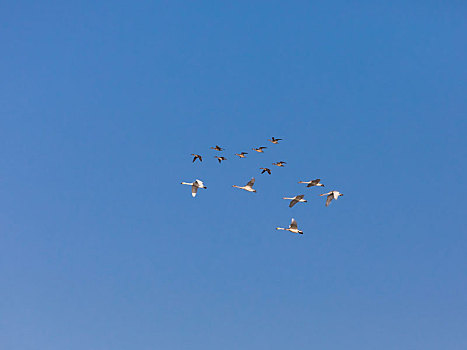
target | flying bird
[
  {"x": 194, "y": 186},
  {"x": 197, "y": 156},
  {"x": 274, "y": 140},
  {"x": 331, "y": 195},
  {"x": 312, "y": 183},
  {"x": 248, "y": 187},
  {"x": 217, "y": 148},
  {"x": 296, "y": 199},
  {"x": 281, "y": 163},
  {"x": 292, "y": 227},
  {"x": 264, "y": 170},
  {"x": 241, "y": 155},
  {"x": 220, "y": 159},
  {"x": 259, "y": 149}
]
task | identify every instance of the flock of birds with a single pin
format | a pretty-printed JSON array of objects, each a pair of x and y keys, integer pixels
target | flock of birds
[{"x": 195, "y": 185}]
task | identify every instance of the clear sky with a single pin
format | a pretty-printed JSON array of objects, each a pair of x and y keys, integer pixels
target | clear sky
[{"x": 101, "y": 105}]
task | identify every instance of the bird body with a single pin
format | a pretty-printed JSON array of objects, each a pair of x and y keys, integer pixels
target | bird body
[
  {"x": 248, "y": 187},
  {"x": 194, "y": 186},
  {"x": 292, "y": 228},
  {"x": 296, "y": 199},
  {"x": 311, "y": 183},
  {"x": 331, "y": 195}
]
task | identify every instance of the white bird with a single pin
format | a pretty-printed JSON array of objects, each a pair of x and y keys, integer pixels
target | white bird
[
  {"x": 241, "y": 155},
  {"x": 259, "y": 149},
  {"x": 197, "y": 156},
  {"x": 331, "y": 195},
  {"x": 274, "y": 140},
  {"x": 292, "y": 227},
  {"x": 296, "y": 199},
  {"x": 281, "y": 163},
  {"x": 248, "y": 187},
  {"x": 312, "y": 183},
  {"x": 194, "y": 186},
  {"x": 220, "y": 159}
]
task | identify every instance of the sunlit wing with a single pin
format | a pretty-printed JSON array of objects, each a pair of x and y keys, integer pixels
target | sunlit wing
[{"x": 293, "y": 224}]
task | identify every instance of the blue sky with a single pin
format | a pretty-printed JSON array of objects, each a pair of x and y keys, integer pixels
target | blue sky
[{"x": 101, "y": 106}]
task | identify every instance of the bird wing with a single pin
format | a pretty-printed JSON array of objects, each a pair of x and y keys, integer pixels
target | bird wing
[
  {"x": 250, "y": 183},
  {"x": 194, "y": 189},
  {"x": 293, "y": 224},
  {"x": 292, "y": 203},
  {"x": 329, "y": 199},
  {"x": 300, "y": 196}
]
